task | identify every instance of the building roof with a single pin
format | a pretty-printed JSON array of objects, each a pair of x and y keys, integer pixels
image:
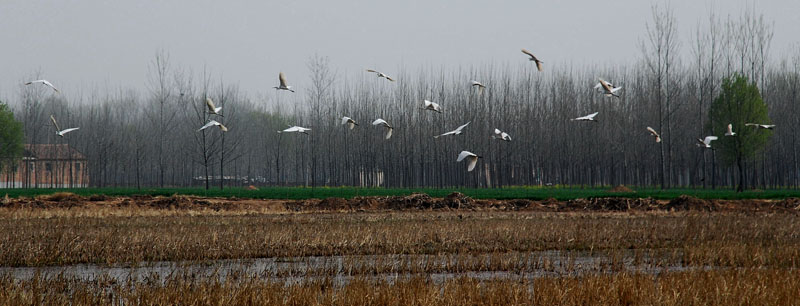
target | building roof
[{"x": 52, "y": 152}]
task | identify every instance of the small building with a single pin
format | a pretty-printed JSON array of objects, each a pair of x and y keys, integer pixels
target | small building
[{"x": 47, "y": 166}]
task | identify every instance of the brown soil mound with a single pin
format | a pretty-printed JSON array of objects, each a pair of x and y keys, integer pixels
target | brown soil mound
[
  {"x": 417, "y": 201},
  {"x": 685, "y": 202},
  {"x": 517, "y": 204},
  {"x": 176, "y": 202},
  {"x": 620, "y": 188},
  {"x": 251, "y": 187},
  {"x": 333, "y": 204},
  {"x": 61, "y": 197},
  {"x": 790, "y": 203},
  {"x": 611, "y": 204},
  {"x": 363, "y": 203},
  {"x": 412, "y": 201},
  {"x": 551, "y": 202},
  {"x": 457, "y": 200},
  {"x": 98, "y": 198}
]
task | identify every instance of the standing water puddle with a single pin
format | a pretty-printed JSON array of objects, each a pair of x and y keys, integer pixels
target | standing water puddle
[{"x": 341, "y": 269}]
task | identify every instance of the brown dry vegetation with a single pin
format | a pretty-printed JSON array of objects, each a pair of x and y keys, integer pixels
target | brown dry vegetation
[
  {"x": 753, "y": 245},
  {"x": 728, "y": 287},
  {"x": 130, "y": 230}
]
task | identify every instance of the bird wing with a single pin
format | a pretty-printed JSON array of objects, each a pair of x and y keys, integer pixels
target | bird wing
[
  {"x": 462, "y": 127},
  {"x": 53, "y": 119},
  {"x": 380, "y": 121},
  {"x": 222, "y": 127},
  {"x": 730, "y": 128},
  {"x": 370, "y": 70},
  {"x": 210, "y": 105},
  {"x": 345, "y": 119},
  {"x": 652, "y": 131},
  {"x": 463, "y": 155},
  {"x": 282, "y": 78},
  {"x": 591, "y": 116},
  {"x": 614, "y": 89},
  {"x": 388, "y": 78},
  {"x": 497, "y": 131},
  {"x": 768, "y": 126},
  {"x": 45, "y": 82},
  {"x": 529, "y": 53},
  {"x": 506, "y": 136},
  {"x": 50, "y": 84},
  {"x": 292, "y": 129},
  {"x": 210, "y": 123},
  {"x": 351, "y": 125},
  {"x": 750, "y": 124},
  {"x": 538, "y": 64},
  {"x": 473, "y": 160},
  {"x": 445, "y": 134},
  {"x": 68, "y": 130},
  {"x": 427, "y": 103},
  {"x": 389, "y": 132},
  {"x": 708, "y": 139}
]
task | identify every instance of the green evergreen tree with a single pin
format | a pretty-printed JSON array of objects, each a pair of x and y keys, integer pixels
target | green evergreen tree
[
  {"x": 11, "y": 138},
  {"x": 739, "y": 102}
]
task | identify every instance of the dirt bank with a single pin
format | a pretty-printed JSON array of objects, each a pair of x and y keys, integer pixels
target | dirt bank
[{"x": 417, "y": 201}]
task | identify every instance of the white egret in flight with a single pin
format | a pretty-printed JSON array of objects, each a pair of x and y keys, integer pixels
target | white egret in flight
[{"x": 471, "y": 158}]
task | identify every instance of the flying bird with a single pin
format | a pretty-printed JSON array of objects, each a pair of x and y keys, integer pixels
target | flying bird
[
  {"x": 454, "y": 132},
  {"x": 46, "y": 83},
  {"x": 761, "y": 126},
  {"x": 212, "y": 123},
  {"x": 706, "y": 143},
  {"x": 501, "y": 135},
  {"x": 472, "y": 158},
  {"x": 283, "y": 85},
  {"x": 730, "y": 130},
  {"x": 213, "y": 109},
  {"x": 480, "y": 86},
  {"x": 599, "y": 86},
  {"x": 295, "y": 129},
  {"x": 589, "y": 117},
  {"x": 608, "y": 89},
  {"x": 432, "y": 106},
  {"x": 381, "y": 74},
  {"x": 349, "y": 121},
  {"x": 389, "y": 128},
  {"x": 654, "y": 133},
  {"x": 534, "y": 59},
  {"x": 60, "y": 132}
]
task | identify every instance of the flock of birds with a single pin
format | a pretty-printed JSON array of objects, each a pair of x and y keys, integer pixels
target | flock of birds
[{"x": 608, "y": 89}]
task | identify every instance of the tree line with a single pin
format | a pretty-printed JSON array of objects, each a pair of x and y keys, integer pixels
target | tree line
[{"x": 134, "y": 138}]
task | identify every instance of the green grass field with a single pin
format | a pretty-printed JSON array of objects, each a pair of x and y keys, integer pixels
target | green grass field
[{"x": 532, "y": 193}]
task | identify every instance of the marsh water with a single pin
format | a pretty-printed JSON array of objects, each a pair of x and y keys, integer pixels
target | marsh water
[{"x": 340, "y": 269}]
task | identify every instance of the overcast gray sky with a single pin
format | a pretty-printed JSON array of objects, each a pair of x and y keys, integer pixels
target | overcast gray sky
[{"x": 81, "y": 45}]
